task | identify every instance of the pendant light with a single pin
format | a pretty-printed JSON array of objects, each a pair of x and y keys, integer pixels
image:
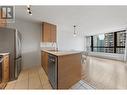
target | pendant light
[{"x": 74, "y": 31}]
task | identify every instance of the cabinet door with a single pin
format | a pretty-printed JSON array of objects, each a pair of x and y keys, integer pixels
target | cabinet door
[
  {"x": 3, "y": 22},
  {"x": 6, "y": 68},
  {"x": 46, "y": 36},
  {"x": 45, "y": 61},
  {"x": 53, "y": 33}
]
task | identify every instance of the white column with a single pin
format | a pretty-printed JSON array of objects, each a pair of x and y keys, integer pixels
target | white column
[{"x": 125, "y": 53}]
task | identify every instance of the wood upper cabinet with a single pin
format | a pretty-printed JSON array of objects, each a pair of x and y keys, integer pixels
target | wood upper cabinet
[
  {"x": 53, "y": 33},
  {"x": 48, "y": 32}
]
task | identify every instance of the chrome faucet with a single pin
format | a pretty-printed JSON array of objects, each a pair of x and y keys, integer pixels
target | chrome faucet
[{"x": 55, "y": 45}]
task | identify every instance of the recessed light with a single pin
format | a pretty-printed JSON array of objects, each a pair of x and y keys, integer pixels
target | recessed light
[{"x": 29, "y": 10}]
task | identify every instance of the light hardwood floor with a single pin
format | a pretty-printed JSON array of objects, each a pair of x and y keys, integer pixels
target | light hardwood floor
[
  {"x": 104, "y": 73},
  {"x": 33, "y": 78},
  {"x": 97, "y": 73},
  {"x": 36, "y": 78}
]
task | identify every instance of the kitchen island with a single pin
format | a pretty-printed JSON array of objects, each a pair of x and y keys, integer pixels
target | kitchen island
[{"x": 63, "y": 67}]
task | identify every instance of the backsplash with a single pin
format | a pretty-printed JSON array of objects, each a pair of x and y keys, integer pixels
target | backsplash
[{"x": 48, "y": 45}]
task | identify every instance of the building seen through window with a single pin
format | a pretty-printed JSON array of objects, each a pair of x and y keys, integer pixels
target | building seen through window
[{"x": 109, "y": 42}]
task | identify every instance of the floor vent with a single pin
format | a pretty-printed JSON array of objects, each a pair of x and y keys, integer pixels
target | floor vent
[{"x": 82, "y": 85}]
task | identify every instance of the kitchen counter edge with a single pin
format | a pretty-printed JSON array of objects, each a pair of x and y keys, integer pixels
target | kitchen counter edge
[{"x": 61, "y": 53}]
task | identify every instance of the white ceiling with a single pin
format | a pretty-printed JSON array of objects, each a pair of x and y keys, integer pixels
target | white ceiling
[{"x": 88, "y": 18}]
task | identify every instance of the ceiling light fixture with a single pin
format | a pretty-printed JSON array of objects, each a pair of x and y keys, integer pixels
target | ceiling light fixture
[
  {"x": 74, "y": 31},
  {"x": 30, "y": 12},
  {"x": 29, "y": 9},
  {"x": 28, "y": 6}
]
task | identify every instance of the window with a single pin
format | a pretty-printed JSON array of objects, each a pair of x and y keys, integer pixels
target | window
[{"x": 109, "y": 42}]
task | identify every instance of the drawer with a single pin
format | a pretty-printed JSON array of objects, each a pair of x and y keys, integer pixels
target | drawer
[
  {"x": 5, "y": 70},
  {"x": 6, "y": 57},
  {"x": 5, "y": 76},
  {"x": 6, "y": 60},
  {"x": 5, "y": 65}
]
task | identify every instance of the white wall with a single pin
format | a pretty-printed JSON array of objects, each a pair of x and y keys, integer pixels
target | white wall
[
  {"x": 66, "y": 39},
  {"x": 91, "y": 19},
  {"x": 31, "y": 37}
]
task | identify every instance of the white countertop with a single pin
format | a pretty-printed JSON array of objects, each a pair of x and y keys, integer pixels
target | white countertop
[
  {"x": 60, "y": 53},
  {"x": 4, "y": 54}
]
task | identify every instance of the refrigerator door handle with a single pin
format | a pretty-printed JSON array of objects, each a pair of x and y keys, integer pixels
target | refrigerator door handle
[
  {"x": 18, "y": 67},
  {"x": 18, "y": 44}
]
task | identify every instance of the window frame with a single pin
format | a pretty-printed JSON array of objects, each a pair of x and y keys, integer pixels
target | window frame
[{"x": 114, "y": 40}]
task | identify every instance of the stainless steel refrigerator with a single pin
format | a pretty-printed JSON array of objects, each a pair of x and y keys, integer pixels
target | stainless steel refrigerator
[{"x": 10, "y": 41}]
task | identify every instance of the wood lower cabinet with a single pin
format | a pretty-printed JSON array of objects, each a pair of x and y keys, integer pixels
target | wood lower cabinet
[
  {"x": 69, "y": 70},
  {"x": 44, "y": 61},
  {"x": 3, "y": 22},
  {"x": 5, "y": 68},
  {"x": 63, "y": 71},
  {"x": 48, "y": 32}
]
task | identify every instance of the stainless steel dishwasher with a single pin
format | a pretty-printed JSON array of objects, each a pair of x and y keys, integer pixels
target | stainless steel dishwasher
[{"x": 52, "y": 70}]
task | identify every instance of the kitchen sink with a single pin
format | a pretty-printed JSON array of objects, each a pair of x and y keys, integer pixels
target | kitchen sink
[{"x": 1, "y": 57}]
